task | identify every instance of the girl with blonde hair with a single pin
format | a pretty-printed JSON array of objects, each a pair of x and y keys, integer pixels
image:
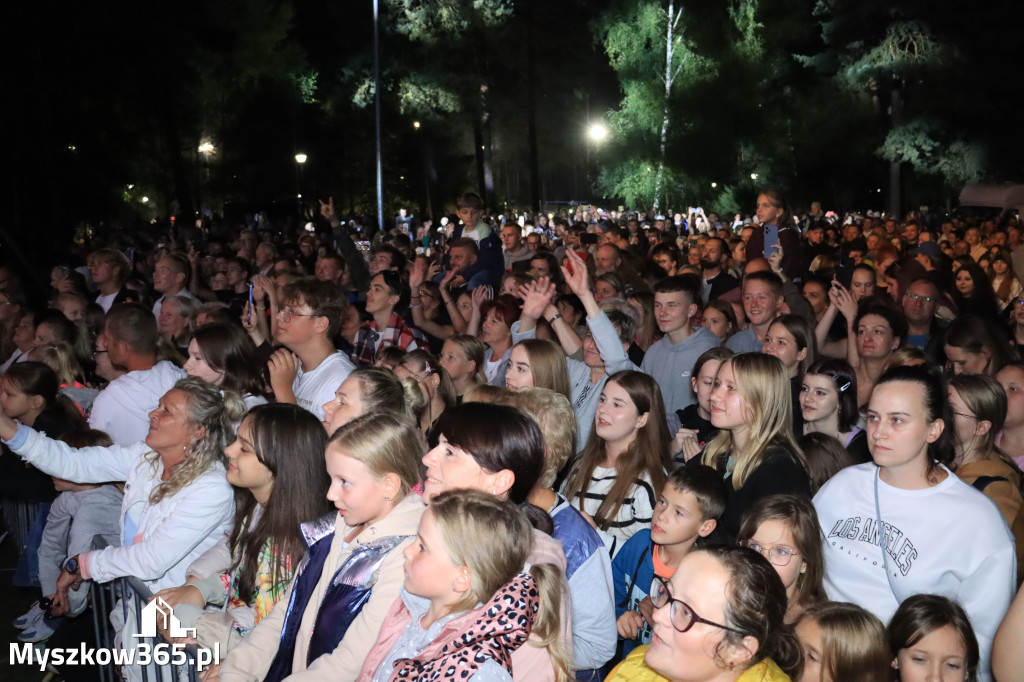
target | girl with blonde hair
[
  {"x": 368, "y": 390},
  {"x": 462, "y": 356},
  {"x": 353, "y": 570},
  {"x": 436, "y": 389},
  {"x": 753, "y": 410},
  {"x": 843, "y": 643},
  {"x": 539, "y": 363},
  {"x": 464, "y": 574}
]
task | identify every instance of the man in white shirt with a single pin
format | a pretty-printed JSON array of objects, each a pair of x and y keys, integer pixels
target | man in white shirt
[
  {"x": 170, "y": 279},
  {"x": 122, "y": 408},
  {"x": 109, "y": 269},
  {"x": 308, "y": 370}
]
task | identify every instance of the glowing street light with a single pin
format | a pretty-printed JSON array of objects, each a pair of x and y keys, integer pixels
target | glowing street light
[
  {"x": 416, "y": 125},
  {"x": 753, "y": 176},
  {"x": 145, "y": 200},
  {"x": 597, "y": 132},
  {"x": 300, "y": 158},
  {"x": 207, "y": 148},
  {"x": 714, "y": 185}
]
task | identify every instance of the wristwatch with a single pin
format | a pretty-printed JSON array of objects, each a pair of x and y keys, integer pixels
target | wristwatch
[{"x": 71, "y": 565}]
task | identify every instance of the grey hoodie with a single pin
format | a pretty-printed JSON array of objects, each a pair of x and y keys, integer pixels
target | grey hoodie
[{"x": 672, "y": 367}]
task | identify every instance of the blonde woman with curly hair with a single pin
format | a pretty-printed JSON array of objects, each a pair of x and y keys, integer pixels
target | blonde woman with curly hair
[{"x": 177, "y": 502}]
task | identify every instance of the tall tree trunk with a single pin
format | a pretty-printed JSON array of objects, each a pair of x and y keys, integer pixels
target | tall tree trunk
[
  {"x": 670, "y": 74},
  {"x": 895, "y": 174}
]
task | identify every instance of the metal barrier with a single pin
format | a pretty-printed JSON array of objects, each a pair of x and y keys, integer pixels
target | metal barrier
[
  {"x": 129, "y": 595},
  {"x": 18, "y": 517}
]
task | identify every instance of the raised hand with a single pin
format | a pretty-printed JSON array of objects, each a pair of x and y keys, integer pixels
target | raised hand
[
  {"x": 417, "y": 274},
  {"x": 536, "y": 297},
  {"x": 481, "y": 294},
  {"x": 576, "y": 277},
  {"x": 327, "y": 211},
  {"x": 843, "y": 300}
]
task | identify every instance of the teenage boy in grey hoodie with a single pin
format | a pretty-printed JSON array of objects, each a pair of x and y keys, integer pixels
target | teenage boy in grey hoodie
[{"x": 671, "y": 359}]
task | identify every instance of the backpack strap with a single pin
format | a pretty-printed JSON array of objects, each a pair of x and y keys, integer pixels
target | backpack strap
[{"x": 982, "y": 482}]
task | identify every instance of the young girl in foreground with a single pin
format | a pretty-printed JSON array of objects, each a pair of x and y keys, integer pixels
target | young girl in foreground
[
  {"x": 465, "y": 605},
  {"x": 353, "y": 570},
  {"x": 932, "y": 639},
  {"x": 843, "y": 643},
  {"x": 784, "y": 530}
]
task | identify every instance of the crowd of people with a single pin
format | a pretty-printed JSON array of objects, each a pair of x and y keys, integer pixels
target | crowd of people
[{"x": 582, "y": 446}]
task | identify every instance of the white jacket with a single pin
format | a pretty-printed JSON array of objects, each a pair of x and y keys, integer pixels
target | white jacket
[{"x": 158, "y": 541}]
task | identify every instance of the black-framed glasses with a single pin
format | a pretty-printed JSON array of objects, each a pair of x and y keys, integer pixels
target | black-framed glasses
[
  {"x": 681, "y": 614},
  {"x": 779, "y": 555}
]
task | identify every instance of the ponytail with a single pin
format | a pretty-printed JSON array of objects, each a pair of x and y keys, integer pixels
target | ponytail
[{"x": 548, "y": 623}]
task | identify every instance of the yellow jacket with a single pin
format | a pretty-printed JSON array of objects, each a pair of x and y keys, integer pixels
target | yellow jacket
[{"x": 634, "y": 669}]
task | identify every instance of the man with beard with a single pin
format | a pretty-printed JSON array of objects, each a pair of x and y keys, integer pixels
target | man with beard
[{"x": 716, "y": 281}]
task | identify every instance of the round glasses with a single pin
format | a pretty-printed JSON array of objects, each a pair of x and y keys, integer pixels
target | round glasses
[
  {"x": 680, "y": 613},
  {"x": 286, "y": 314},
  {"x": 779, "y": 555}
]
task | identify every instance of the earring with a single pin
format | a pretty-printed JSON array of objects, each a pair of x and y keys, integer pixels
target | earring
[
  {"x": 387, "y": 498},
  {"x": 453, "y": 587}
]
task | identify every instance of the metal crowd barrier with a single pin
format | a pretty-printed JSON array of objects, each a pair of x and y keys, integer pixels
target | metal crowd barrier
[
  {"x": 130, "y": 595},
  {"x": 18, "y": 517}
]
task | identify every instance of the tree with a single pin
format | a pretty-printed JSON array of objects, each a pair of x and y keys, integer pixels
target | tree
[{"x": 647, "y": 48}]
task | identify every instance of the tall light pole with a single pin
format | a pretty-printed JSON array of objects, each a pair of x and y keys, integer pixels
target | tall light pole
[
  {"x": 300, "y": 161},
  {"x": 376, "y": 112}
]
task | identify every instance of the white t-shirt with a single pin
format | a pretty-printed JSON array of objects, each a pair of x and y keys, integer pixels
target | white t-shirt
[
  {"x": 948, "y": 539},
  {"x": 106, "y": 301},
  {"x": 313, "y": 389}
]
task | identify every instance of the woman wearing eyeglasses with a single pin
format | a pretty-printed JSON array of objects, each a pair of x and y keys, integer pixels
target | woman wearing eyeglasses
[
  {"x": 904, "y": 525},
  {"x": 720, "y": 618}
]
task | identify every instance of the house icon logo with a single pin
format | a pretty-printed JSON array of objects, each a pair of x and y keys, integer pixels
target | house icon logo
[{"x": 159, "y": 609}]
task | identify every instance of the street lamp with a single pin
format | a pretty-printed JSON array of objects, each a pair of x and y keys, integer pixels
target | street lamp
[
  {"x": 300, "y": 159},
  {"x": 207, "y": 148},
  {"x": 416, "y": 125},
  {"x": 597, "y": 132}
]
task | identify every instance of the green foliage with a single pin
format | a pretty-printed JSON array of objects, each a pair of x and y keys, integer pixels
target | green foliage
[
  {"x": 306, "y": 83},
  {"x": 928, "y": 147},
  {"x": 434, "y": 21},
  {"x": 635, "y": 180}
]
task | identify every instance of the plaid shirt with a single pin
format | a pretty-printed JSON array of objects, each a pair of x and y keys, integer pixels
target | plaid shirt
[{"x": 398, "y": 334}]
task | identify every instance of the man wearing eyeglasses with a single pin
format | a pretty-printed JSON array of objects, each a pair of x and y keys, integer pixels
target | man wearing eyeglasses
[
  {"x": 925, "y": 330},
  {"x": 308, "y": 370}
]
